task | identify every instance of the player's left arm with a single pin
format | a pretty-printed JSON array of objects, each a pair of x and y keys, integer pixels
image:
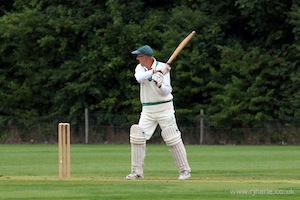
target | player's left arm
[{"x": 166, "y": 87}]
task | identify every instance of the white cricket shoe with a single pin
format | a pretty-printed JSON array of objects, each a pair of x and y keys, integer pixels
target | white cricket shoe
[
  {"x": 134, "y": 176},
  {"x": 184, "y": 175}
]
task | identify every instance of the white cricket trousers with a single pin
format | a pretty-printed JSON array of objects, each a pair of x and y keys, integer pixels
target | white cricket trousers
[{"x": 149, "y": 121}]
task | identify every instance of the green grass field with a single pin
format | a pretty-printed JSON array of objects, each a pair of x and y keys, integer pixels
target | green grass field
[{"x": 98, "y": 172}]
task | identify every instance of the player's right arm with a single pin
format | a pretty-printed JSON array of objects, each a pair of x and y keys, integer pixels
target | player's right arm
[{"x": 142, "y": 74}]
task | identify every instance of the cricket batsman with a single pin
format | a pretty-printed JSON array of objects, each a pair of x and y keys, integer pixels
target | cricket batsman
[{"x": 157, "y": 109}]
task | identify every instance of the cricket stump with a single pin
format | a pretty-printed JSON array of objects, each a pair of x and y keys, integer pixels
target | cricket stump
[{"x": 64, "y": 162}]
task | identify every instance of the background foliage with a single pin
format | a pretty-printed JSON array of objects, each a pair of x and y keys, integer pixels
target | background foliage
[{"x": 242, "y": 68}]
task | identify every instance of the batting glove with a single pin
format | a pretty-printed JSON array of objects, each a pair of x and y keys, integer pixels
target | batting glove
[
  {"x": 163, "y": 68},
  {"x": 158, "y": 77}
]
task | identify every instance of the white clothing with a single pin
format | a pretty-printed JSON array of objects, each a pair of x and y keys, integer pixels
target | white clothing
[
  {"x": 149, "y": 91},
  {"x": 157, "y": 103},
  {"x": 157, "y": 109},
  {"x": 149, "y": 121}
]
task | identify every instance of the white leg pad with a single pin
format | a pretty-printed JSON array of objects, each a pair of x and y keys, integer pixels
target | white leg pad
[
  {"x": 179, "y": 154},
  {"x": 172, "y": 138},
  {"x": 137, "y": 135},
  {"x": 138, "y": 149},
  {"x": 138, "y": 153}
]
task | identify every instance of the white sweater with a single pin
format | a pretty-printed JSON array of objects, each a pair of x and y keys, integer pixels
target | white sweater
[{"x": 154, "y": 99}]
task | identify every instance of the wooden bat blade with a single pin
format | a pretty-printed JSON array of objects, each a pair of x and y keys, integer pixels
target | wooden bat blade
[{"x": 181, "y": 46}]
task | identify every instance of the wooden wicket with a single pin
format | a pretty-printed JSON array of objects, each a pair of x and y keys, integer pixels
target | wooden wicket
[{"x": 64, "y": 137}]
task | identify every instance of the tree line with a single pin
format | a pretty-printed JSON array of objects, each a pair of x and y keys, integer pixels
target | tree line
[{"x": 242, "y": 67}]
